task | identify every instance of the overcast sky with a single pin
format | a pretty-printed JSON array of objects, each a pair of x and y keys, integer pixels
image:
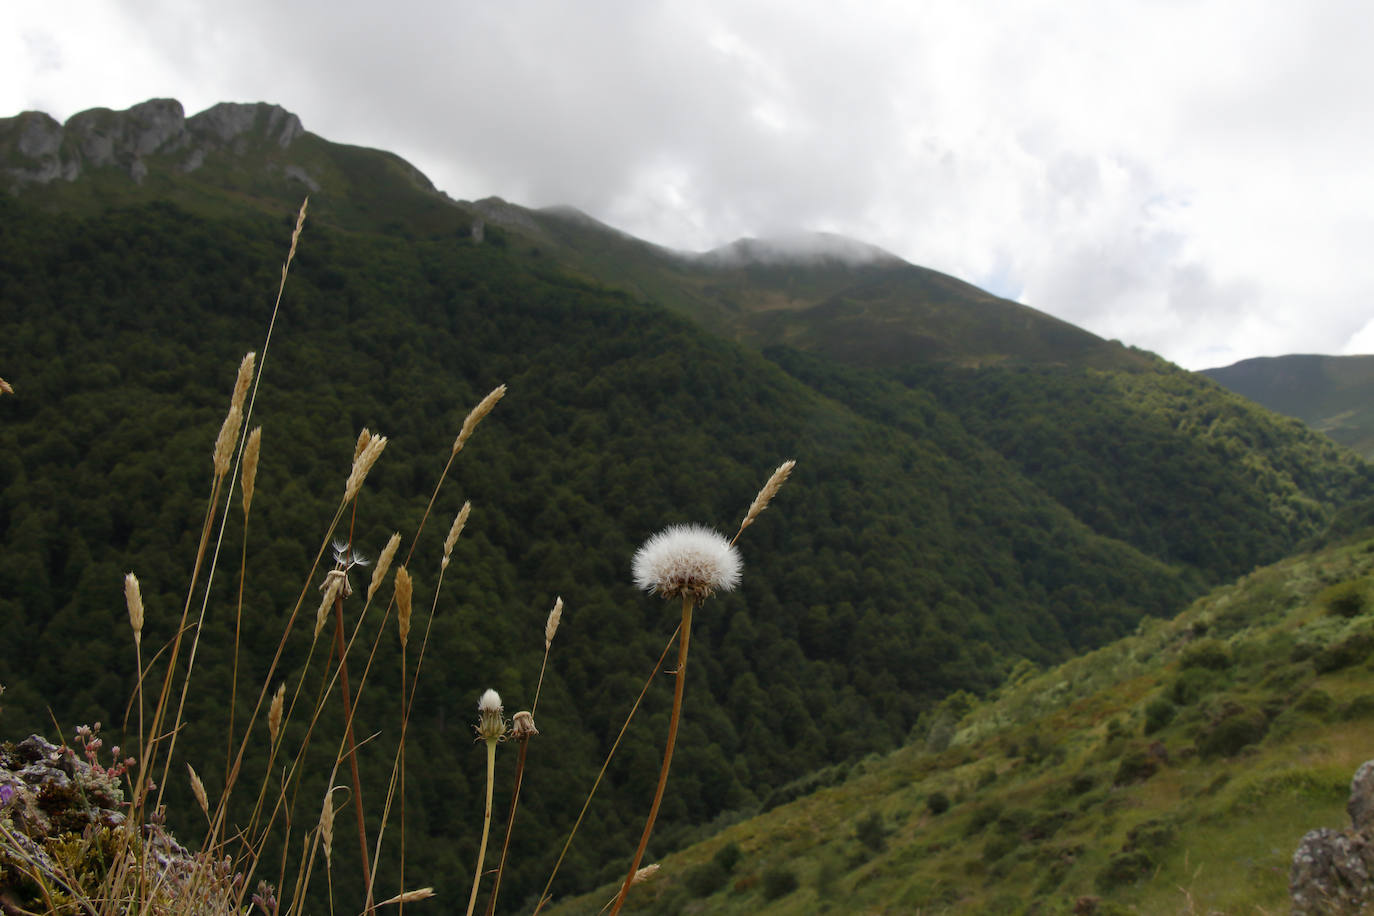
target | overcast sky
[{"x": 1195, "y": 177}]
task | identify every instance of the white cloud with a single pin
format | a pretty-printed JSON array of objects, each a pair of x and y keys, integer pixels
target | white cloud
[{"x": 1189, "y": 176}]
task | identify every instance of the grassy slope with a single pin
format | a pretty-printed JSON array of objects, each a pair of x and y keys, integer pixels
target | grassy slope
[
  {"x": 1331, "y": 394},
  {"x": 1044, "y": 807}
]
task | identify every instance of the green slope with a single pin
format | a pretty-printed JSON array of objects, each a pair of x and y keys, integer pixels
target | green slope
[
  {"x": 1173, "y": 771},
  {"x": 901, "y": 564},
  {"x": 1332, "y": 394}
]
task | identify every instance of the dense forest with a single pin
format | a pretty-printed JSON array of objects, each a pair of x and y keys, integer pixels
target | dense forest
[{"x": 920, "y": 548}]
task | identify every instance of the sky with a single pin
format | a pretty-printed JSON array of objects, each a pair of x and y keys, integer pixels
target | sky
[{"x": 1194, "y": 177}]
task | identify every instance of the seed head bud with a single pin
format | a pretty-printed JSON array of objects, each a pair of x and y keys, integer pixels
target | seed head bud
[
  {"x": 522, "y": 726},
  {"x": 491, "y": 725},
  {"x": 332, "y": 587},
  {"x": 364, "y": 437}
]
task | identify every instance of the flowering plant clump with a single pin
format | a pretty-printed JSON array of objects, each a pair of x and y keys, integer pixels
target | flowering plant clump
[{"x": 687, "y": 561}]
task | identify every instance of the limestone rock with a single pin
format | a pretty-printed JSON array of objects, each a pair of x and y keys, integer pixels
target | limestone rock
[{"x": 1331, "y": 869}]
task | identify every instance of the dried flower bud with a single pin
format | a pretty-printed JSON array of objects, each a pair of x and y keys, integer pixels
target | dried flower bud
[
  {"x": 250, "y": 466},
  {"x": 133, "y": 598},
  {"x": 522, "y": 726},
  {"x": 551, "y": 625},
  {"x": 491, "y": 725},
  {"x": 475, "y": 416},
  {"x": 383, "y": 564}
]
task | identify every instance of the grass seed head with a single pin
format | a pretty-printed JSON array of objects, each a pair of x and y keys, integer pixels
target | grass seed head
[
  {"x": 224, "y": 443},
  {"x": 404, "y": 590},
  {"x": 133, "y": 598},
  {"x": 362, "y": 464},
  {"x": 198, "y": 790},
  {"x": 383, "y": 564},
  {"x": 5, "y": 387},
  {"x": 475, "y": 416},
  {"x": 327, "y": 827},
  {"x": 275, "y": 712},
  {"x": 551, "y": 625},
  {"x": 770, "y": 489},
  {"x": 244, "y": 380},
  {"x": 332, "y": 587},
  {"x": 423, "y": 893},
  {"x": 251, "y": 452},
  {"x": 454, "y": 530}
]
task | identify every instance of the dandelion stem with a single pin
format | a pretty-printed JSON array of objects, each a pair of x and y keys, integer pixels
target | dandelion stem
[
  {"x": 680, "y": 680},
  {"x": 486, "y": 824},
  {"x": 510, "y": 822}
]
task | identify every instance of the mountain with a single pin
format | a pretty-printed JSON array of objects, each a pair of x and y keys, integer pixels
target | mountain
[
  {"x": 1332, "y": 394},
  {"x": 1013, "y": 489},
  {"x": 1174, "y": 770}
]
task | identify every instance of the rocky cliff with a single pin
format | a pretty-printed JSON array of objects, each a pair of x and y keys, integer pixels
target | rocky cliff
[{"x": 36, "y": 149}]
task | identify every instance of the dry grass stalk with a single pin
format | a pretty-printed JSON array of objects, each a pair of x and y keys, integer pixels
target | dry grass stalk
[
  {"x": 296, "y": 233},
  {"x": 423, "y": 893},
  {"x": 404, "y": 591},
  {"x": 475, "y": 416},
  {"x": 198, "y": 790},
  {"x": 362, "y": 464},
  {"x": 332, "y": 587},
  {"x": 133, "y": 597},
  {"x": 551, "y": 626},
  {"x": 383, "y": 564},
  {"x": 770, "y": 489},
  {"x": 224, "y": 443},
  {"x": 459, "y": 520},
  {"x": 250, "y": 466}
]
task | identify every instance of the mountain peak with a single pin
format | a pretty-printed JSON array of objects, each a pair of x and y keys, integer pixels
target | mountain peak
[
  {"x": 36, "y": 149},
  {"x": 803, "y": 249}
]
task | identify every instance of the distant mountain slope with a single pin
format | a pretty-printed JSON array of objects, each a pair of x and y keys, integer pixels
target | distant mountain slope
[
  {"x": 1333, "y": 394},
  {"x": 1173, "y": 771}
]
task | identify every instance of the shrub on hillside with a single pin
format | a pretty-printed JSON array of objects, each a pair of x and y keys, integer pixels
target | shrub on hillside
[
  {"x": 1159, "y": 712},
  {"x": 1344, "y": 600},
  {"x": 1212, "y": 654},
  {"x": 1316, "y": 702},
  {"x": 1349, "y": 651},
  {"x": 1239, "y": 728},
  {"x": 705, "y": 880},
  {"x": 1124, "y": 868},
  {"x": 937, "y": 803},
  {"x": 778, "y": 882},
  {"x": 1136, "y": 766},
  {"x": 1193, "y": 684}
]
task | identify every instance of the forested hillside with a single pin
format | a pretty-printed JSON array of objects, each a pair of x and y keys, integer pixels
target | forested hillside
[{"x": 941, "y": 523}]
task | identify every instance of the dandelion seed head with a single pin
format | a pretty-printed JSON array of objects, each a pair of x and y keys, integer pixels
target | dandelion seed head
[{"x": 687, "y": 560}]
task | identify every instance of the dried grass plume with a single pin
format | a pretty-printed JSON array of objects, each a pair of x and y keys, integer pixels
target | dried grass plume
[
  {"x": 133, "y": 598},
  {"x": 251, "y": 451},
  {"x": 475, "y": 416},
  {"x": 404, "y": 590},
  {"x": 770, "y": 489},
  {"x": 383, "y": 564}
]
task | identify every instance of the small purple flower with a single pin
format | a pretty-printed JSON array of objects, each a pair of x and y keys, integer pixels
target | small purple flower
[{"x": 6, "y": 794}]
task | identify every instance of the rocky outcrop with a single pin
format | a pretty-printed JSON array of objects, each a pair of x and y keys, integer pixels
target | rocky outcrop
[
  {"x": 1332, "y": 868},
  {"x": 36, "y": 149}
]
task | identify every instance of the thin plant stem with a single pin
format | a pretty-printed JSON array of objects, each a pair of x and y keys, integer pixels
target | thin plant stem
[
  {"x": 510, "y": 821},
  {"x": 683, "y": 641},
  {"x": 348, "y": 728},
  {"x": 486, "y": 824},
  {"x": 544, "y": 895}
]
